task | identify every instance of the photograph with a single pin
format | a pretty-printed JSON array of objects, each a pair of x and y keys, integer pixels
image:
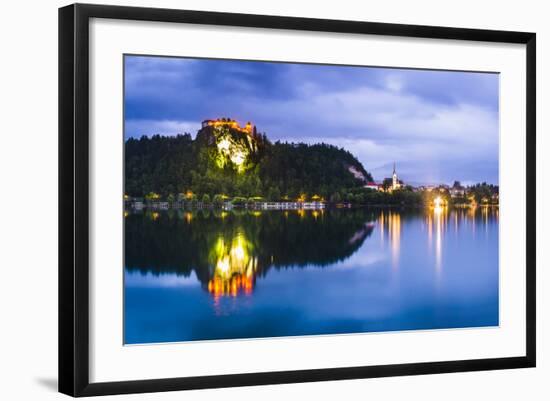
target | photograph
[{"x": 266, "y": 199}]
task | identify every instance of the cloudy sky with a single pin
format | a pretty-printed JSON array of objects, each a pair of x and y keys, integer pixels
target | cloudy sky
[{"x": 437, "y": 126}]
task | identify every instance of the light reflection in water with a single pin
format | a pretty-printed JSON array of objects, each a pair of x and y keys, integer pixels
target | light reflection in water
[
  {"x": 381, "y": 219},
  {"x": 430, "y": 231},
  {"x": 234, "y": 267},
  {"x": 439, "y": 220},
  {"x": 390, "y": 222},
  {"x": 472, "y": 215},
  {"x": 395, "y": 237},
  {"x": 456, "y": 222},
  {"x": 485, "y": 214}
]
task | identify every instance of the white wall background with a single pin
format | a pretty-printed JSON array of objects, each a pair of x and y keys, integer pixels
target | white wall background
[{"x": 28, "y": 173}]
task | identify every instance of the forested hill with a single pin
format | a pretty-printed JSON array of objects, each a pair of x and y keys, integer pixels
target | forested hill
[{"x": 227, "y": 159}]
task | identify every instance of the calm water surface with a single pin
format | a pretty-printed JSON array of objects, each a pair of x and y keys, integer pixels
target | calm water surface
[{"x": 202, "y": 275}]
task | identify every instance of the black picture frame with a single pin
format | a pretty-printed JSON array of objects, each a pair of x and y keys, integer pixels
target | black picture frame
[{"x": 74, "y": 198}]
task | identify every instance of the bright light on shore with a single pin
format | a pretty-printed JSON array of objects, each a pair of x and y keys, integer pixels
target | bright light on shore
[{"x": 438, "y": 202}]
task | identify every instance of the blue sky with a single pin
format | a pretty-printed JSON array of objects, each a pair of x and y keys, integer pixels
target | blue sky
[{"x": 437, "y": 126}]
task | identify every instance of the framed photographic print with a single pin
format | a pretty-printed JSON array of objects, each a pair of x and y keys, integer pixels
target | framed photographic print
[{"x": 251, "y": 199}]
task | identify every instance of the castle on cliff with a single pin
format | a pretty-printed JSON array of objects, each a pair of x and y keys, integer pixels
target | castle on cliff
[{"x": 249, "y": 128}]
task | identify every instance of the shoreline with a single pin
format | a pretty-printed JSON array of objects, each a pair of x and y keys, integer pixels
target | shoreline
[{"x": 273, "y": 206}]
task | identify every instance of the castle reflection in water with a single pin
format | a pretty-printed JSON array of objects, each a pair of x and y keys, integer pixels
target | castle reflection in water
[{"x": 235, "y": 267}]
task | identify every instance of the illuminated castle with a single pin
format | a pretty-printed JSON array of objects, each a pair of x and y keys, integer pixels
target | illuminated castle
[{"x": 249, "y": 128}]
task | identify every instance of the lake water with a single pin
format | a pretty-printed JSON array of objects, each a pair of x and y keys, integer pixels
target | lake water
[{"x": 204, "y": 275}]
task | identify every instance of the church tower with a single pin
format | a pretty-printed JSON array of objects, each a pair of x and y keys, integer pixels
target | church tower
[{"x": 395, "y": 181}]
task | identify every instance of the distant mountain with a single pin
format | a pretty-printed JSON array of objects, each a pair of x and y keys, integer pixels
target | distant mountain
[{"x": 226, "y": 158}]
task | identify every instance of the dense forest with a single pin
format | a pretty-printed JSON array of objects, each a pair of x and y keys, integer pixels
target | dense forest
[{"x": 230, "y": 161}]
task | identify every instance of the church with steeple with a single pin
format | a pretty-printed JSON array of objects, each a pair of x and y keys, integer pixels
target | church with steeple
[{"x": 388, "y": 184}]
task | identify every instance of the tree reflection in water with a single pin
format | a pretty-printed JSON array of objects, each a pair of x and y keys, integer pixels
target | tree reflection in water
[{"x": 228, "y": 251}]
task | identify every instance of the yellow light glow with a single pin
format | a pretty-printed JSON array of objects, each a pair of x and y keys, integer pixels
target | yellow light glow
[
  {"x": 248, "y": 128},
  {"x": 236, "y": 153},
  {"x": 238, "y": 157},
  {"x": 233, "y": 269},
  {"x": 394, "y": 231},
  {"x": 238, "y": 251},
  {"x": 224, "y": 145},
  {"x": 222, "y": 266}
]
